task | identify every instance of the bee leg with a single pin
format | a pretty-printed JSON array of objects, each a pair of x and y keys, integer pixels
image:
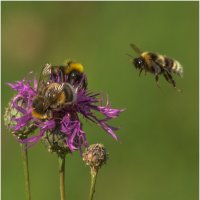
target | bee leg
[
  {"x": 157, "y": 78},
  {"x": 140, "y": 71},
  {"x": 171, "y": 79},
  {"x": 174, "y": 83},
  {"x": 166, "y": 77},
  {"x": 157, "y": 71}
]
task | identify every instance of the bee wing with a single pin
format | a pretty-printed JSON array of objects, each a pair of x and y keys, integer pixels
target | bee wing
[
  {"x": 44, "y": 76},
  {"x": 55, "y": 90},
  {"x": 59, "y": 88},
  {"x": 46, "y": 70},
  {"x": 52, "y": 94},
  {"x": 136, "y": 49}
]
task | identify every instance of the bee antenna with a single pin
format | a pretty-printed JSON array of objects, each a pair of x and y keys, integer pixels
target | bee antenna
[{"x": 129, "y": 55}]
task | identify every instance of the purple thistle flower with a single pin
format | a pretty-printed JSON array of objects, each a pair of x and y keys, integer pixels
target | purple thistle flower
[{"x": 66, "y": 120}]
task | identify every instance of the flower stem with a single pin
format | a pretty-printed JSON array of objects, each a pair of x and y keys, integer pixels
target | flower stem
[
  {"x": 94, "y": 173},
  {"x": 61, "y": 161},
  {"x": 26, "y": 171}
]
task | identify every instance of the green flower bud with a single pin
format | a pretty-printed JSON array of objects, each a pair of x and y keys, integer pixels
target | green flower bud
[
  {"x": 55, "y": 142},
  {"x": 10, "y": 113}
]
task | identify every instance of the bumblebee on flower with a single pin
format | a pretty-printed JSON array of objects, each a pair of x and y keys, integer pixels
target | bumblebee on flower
[{"x": 53, "y": 105}]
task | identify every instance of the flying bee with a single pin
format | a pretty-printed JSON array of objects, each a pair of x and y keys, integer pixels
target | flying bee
[
  {"x": 72, "y": 73},
  {"x": 157, "y": 64},
  {"x": 52, "y": 96}
]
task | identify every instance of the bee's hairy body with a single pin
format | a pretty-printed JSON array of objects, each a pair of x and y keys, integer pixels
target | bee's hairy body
[
  {"x": 64, "y": 69},
  {"x": 57, "y": 88},
  {"x": 74, "y": 72},
  {"x": 163, "y": 62},
  {"x": 157, "y": 64},
  {"x": 53, "y": 96}
]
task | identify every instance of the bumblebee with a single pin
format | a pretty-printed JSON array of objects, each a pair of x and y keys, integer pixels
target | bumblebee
[
  {"x": 157, "y": 64},
  {"x": 72, "y": 73},
  {"x": 52, "y": 96}
]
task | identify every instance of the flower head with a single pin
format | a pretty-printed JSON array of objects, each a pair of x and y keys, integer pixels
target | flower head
[
  {"x": 95, "y": 156},
  {"x": 62, "y": 124}
]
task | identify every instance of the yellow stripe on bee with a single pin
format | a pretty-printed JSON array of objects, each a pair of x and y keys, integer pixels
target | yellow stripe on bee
[
  {"x": 174, "y": 66},
  {"x": 161, "y": 60},
  {"x": 74, "y": 66},
  {"x": 37, "y": 115},
  {"x": 177, "y": 68},
  {"x": 61, "y": 99},
  {"x": 147, "y": 58}
]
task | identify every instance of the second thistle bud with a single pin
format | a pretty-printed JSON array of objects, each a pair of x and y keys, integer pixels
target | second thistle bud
[
  {"x": 56, "y": 142},
  {"x": 12, "y": 113},
  {"x": 95, "y": 156}
]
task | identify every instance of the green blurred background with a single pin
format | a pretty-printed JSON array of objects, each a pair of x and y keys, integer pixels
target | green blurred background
[{"x": 157, "y": 156}]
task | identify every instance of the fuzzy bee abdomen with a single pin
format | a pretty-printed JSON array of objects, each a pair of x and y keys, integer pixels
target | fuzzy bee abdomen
[{"x": 174, "y": 66}]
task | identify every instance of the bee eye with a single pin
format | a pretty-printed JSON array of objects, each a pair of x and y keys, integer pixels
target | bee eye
[
  {"x": 74, "y": 76},
  {"x": 138, "y": 62}
]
